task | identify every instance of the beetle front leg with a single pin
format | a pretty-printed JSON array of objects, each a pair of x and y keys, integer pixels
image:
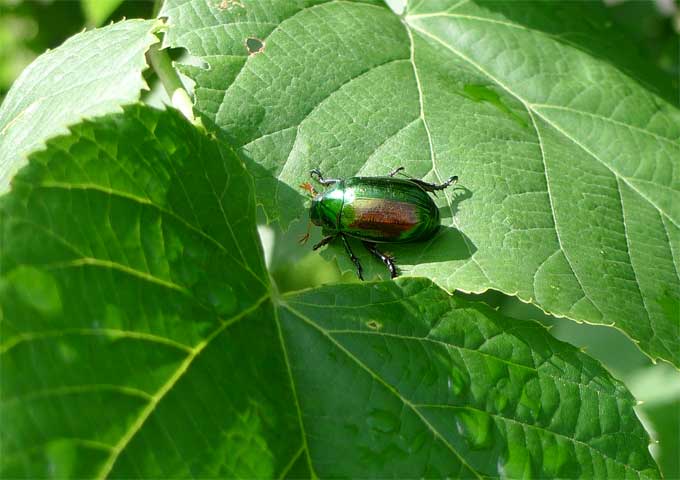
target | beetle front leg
[
  {"x": 354, "y": 259},
  {"x": 395, "y": 171},
  {"x": 319, "y": 177},
  {"x": 386, "y": 259}
]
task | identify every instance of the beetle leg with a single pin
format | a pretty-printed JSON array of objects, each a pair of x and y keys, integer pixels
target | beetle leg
[
  {"x": 428, "y": 187},
  {"x": 324, "y": 241},
  {"x": 319, "y": 177},
  {"x": 354, "y": 259},
  {"x": 395, "y": 171},
  {"x": 386, "y": 259},
  {"x": 432, "y": 187}
]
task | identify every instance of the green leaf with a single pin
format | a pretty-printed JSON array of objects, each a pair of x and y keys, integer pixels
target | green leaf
[
  {"x": 92, "y": 73},
  {"x": 497, "y": 397},
  {"x": 140, "y": 338},
  {"x": 125, "y": 262},
  {"x": 97, "y": 11},
  {"x": 567, "y": 145}
]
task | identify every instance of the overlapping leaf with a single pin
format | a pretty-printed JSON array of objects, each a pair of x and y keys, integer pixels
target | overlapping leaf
[
  {"x": 567, "y": 147},
  {"x": 92, "y": 73},
  {"x": 129, "y": 255},
  {"x": 140, "y": 339}
]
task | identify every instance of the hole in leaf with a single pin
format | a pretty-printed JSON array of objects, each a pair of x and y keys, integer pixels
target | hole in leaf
[{"x": 254, "y": 45}]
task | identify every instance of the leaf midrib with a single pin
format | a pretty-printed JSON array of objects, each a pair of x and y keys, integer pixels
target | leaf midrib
[
  {"x": 291, "y": 379},
  {"x": 421, "y": 103}
]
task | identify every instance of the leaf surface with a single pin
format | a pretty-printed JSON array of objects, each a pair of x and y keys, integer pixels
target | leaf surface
[
  {"x": 140, "y": 338},
  {"x": 567, "y": 145},
  {"x": 92, "y": 73}
]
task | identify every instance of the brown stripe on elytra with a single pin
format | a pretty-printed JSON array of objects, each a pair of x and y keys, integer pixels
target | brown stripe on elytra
[{"x": 386, "y": 216}]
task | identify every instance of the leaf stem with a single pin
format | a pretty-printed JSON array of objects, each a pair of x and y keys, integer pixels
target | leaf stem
[{"x": 162, "y": 65}]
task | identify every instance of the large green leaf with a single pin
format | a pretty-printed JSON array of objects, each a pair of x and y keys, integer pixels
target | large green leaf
[
  {"x": 129, "y": 253},
  {"x": 92, "y": 73},
  {"x": 140, "y": 338},
  {"x": 565, "y": 143}
]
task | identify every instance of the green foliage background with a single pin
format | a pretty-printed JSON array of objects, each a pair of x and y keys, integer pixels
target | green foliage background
[{"x": 28, "y": 28}]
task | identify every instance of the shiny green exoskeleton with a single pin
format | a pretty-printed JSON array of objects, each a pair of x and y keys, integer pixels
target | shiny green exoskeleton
[{"x": 375, "y": 210}]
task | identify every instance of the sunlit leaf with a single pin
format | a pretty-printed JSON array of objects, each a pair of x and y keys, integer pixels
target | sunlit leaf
[
  {"x": 567, "y": 145},
  {"x": 92, "y": 73}
]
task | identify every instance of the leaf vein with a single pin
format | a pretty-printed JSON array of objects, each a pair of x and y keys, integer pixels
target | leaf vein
[
  {"x": 33, "y": 336},
  {"x": 139, "y": 422},
  {"x": 535, "y": 427},
  {"x": 389, "y": 387}
]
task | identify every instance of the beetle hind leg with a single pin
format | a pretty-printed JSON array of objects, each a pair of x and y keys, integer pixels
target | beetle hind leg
[
  {"x": 352, "y": 257},
  {"x": 428, "y": 187},
  {"x": 433, "y": 187},
  {"x": 388, "y": 260},
  {"x": 348, "y": 249}
]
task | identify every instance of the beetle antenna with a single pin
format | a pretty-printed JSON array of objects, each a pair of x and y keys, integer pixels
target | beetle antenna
[{"x": 303, "y": 239}]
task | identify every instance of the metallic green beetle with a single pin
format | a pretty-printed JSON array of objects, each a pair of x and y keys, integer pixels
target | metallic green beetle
[{"x": 375, "y": 210}]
